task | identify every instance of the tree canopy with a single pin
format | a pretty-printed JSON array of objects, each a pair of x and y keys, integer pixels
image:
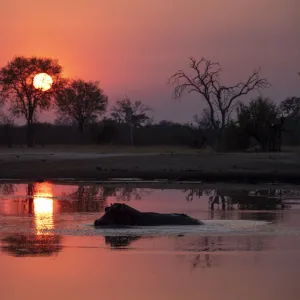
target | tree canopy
[
  {"x": 134, "y": 114},
  {"x": 81, "y": 102},
  {"x": 16, "y": 87},
  {"x": 290, "y": 107},
  {"x": 257, "y": 118}
]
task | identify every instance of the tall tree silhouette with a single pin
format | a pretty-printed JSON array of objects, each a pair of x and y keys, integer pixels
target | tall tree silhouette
[
  {"x": 81, "y": 102},
  {"x": 134, "y": 114},
  {"x": 256, "y": 120},
  {"x": 204, "y": 79},
  {"x": 16, "y": 88},
  {"x": 290, "y": 107}
]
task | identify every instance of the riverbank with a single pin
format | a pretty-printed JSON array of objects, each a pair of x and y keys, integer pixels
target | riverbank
[{"x": 47, "y": 164}]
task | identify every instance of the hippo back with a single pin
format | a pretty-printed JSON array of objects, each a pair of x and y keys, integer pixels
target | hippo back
[{"x": 119, "y": 214}]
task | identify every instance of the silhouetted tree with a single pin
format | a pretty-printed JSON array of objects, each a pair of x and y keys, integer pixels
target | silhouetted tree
[
  {"x": 290, "y": 107},
  {"x": 81, "y": 102},
  {"x": 205, "y": 81},
  {"x": 134, "y": 114},
  {"x": 256, "y": 119},
  {"x": 7, "y": 120},
  {"x": 109, "y": 132},
  {"x": 16, "y": 87},
  {"x": 205, "y": 128}
]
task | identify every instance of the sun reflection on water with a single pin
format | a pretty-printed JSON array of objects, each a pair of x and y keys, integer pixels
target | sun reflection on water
[{"x": 43, "y": 208}]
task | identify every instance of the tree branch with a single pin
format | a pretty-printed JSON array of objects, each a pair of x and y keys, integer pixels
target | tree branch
[{"x": 205, "y": 80}]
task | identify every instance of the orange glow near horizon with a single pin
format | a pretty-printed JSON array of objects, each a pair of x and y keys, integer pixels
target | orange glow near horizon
[
  {"x": 43, "y": 207},
  {"x": 132, "y": 47}
]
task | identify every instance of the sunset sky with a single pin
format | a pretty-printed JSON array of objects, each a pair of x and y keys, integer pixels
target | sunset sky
[{"x": 133, "y": 46}]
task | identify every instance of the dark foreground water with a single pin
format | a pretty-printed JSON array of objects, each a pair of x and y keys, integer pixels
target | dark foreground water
[{"x": 248, "y": 249}]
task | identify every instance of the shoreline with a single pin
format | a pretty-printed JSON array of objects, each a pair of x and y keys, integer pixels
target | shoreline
[
  {"x": 159, "y": 184},
  {"x": 249, "y": 168}
]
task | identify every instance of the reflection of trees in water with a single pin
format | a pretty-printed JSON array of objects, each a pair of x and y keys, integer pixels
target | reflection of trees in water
[
  {"x": 122, "y": 242},
  {"x": 31, "y": 245},
  {"x": 203, "y": 261},
  {"x": 26, "y": 207},
  {"x": 245, "y": 200},
  {"x": 93, "y": 198},
  {"x": 30, "y": 194},
  {"x": 197, "y": 193},
  {"x": 210, "y": 244},
  {"x": 37, "y": 203},
  {"x": 270, "y": 199},
  {"x": 7, "y": 189},
  {"x": 221, "y": 243},
  {"x": 87, "y": 198},
  {"x": 24, "y": 203},
  {"x": 128, "y": 193},
  {"x": 205, "y": 246}
]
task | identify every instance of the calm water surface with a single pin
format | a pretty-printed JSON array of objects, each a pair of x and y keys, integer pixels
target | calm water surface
[{"x": 249, "y": 247}]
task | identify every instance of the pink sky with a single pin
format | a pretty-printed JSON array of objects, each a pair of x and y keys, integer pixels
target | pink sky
[{"x": 133, "y": 46}]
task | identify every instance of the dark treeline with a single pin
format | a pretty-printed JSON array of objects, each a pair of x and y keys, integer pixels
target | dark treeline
[
  {"x": 81, "y": 115},
  {"x": 238, "y": 136},
  {"x": 105, "y": 132},
  {"x": 109, "y": 132}
]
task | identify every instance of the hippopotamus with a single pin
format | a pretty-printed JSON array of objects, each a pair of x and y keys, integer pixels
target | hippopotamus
[{"x": 119, "y": 214}]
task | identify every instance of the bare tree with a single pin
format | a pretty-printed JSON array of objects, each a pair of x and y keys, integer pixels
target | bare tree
[
  {"x": 205, "y": 81},
  {"x": 134, "y": 114},
  {"x": 16, "y": 88},
  {"x": 81, "y": 102}
]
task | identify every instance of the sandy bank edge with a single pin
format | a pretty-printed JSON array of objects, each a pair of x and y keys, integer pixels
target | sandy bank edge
[{"x": 234, "y": 168}]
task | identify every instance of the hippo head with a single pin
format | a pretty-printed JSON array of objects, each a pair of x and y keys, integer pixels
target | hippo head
[{"x": 118, "y": 214}]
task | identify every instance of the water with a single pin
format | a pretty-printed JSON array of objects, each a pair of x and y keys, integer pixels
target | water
[{"x": 248, "y": 248}]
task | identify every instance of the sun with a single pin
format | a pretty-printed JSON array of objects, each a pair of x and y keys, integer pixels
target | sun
[{"x": 42, "y": 81}]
